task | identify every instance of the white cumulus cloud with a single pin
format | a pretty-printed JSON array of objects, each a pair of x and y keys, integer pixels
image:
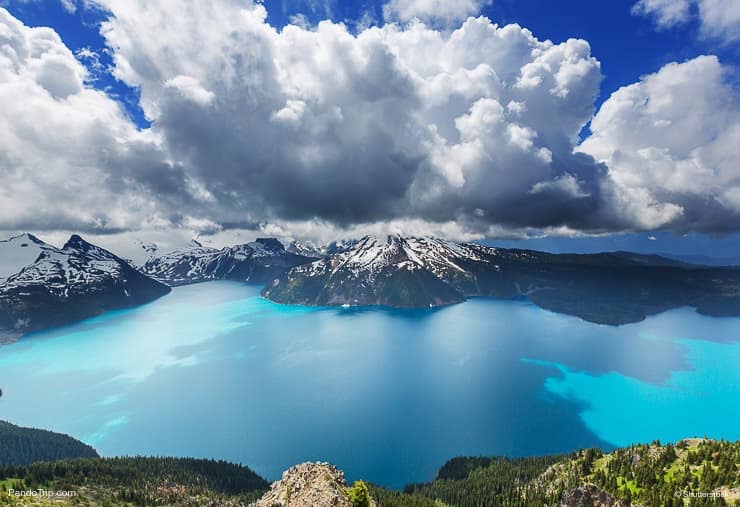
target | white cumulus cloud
[
  {"x": 718, "y": 19},
  {"x": 442, "y": 11},
  {"x": 672, "y": 142},
  {"x": 667, "y": 13}
]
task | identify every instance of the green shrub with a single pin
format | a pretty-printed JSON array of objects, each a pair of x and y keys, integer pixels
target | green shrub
[{"x": 359, "y": 495}]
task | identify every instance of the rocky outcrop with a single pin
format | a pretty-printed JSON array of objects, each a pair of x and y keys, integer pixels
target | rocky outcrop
[
  {"x": 308, "y": 484},
  {"x": 590, "y": 496}
]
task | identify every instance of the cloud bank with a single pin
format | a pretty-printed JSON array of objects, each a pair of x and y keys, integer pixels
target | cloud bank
[{"x": 466, "y": 132}]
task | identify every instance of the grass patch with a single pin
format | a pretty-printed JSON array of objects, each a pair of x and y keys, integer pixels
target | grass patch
[
  {"x": 601, "y": 463},
  {"x": 631, "y": 485}
]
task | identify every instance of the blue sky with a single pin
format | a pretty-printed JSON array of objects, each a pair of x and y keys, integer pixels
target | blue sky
[{"x": 627, "y": 45}]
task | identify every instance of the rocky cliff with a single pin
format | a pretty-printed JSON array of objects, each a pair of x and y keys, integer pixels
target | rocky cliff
[
  {"x": 591, "y": 496},
  {"x": 311, "y": 484}
]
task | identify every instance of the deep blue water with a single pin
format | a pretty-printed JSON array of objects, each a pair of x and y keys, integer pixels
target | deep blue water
[{"x": 213, "y": 370}]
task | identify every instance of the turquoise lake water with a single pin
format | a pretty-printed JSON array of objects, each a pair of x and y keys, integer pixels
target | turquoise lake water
[{"x": 213, "y": 370}]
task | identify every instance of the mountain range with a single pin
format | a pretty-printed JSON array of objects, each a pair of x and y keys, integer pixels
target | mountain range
[{"x": 43, "y": 286}]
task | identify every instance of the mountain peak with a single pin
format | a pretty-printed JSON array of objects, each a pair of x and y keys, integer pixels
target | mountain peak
[
  {"x": 272, "y": 242},
  {"x": 423, "y": 252},
  {"x": 265, "y": 246},
  {"x": 387, "y": 270},
  {"x": 48, "y": 286},
  {"x": 27, "y": 236},
  {"x": 311, "y": 249},
  {"x": 76, "y": 242}
]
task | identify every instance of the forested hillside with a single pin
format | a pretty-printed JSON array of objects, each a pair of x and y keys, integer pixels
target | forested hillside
[
  {"x": 23, "y": 446},
  {"x": 694, "y": 472},
  {"x": 136, "y": 482}
]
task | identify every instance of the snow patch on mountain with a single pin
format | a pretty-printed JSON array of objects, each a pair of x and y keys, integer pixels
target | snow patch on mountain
[
  {"x": 310, "y": 249},
  {"x": 254, "y": 262},
  {"x": 373, "y": 254}
]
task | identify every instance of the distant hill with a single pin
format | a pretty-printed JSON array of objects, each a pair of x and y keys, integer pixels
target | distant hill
[
  {"x": 136, "y": 481},
  {"x": 704, "y": 260},
  {"x": 308, "y": 249},
  {"x": 43, "y": 286},
  {"x": 23, "y": 446}
]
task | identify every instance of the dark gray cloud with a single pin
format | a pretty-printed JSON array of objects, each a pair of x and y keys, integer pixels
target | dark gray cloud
[{"x": 303, "y": 125}]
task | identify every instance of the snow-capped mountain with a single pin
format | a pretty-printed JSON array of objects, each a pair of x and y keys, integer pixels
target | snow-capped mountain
[
  {"x": 389, "y": 271},
  {"x": 180, "y": 266},
  {"x": 255, "y": 262},
  {"x": 612, "y": 288},
  {"x": 63, "y": 285}
]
